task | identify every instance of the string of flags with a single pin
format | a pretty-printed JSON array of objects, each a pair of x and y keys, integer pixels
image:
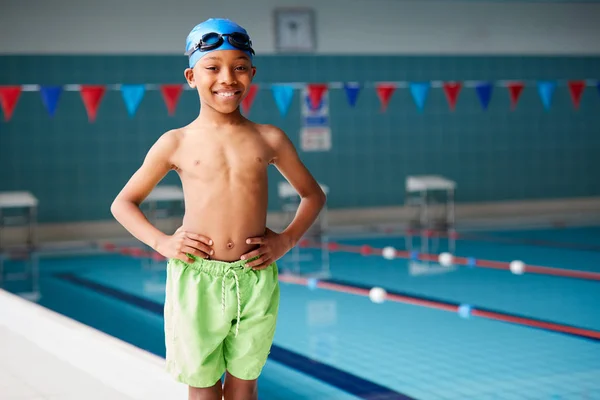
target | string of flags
[{"x": 283, "y": 93}]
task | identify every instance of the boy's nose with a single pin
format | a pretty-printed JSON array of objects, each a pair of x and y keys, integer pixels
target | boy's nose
[{"x": 227, "y": 77}]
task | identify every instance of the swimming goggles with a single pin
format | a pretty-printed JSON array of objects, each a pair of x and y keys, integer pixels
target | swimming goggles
[{"x": 213, "y": 40}]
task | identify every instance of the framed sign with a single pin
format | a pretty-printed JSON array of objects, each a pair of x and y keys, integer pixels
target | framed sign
[{"x": 295, "y": 30}]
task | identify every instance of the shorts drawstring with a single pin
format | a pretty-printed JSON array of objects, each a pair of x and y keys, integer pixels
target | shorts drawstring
[{"x": 239, "y": 302}]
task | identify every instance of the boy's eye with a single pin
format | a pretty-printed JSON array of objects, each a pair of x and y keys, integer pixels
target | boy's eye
[
  {"x": 211, "y": 68},
  {"x": 241, "y": 68}
]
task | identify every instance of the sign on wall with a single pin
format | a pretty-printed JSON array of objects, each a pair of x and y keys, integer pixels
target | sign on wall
[{"x": 315, "y": 133}]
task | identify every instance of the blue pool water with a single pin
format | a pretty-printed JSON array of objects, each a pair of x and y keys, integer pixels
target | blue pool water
[{"x": 338, "y": 345}]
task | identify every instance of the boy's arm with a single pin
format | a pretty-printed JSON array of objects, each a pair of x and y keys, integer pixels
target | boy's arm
[
  {"x": 312, "y": 196},
  {"x": 126, "y": 206}
]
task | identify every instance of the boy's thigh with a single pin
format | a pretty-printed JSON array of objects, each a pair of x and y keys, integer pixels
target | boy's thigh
[
  {"x": 195, "y": 328},
  {"x": 246, "y": 353}
]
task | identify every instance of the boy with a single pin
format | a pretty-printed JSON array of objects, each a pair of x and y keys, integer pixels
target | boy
[{"x": 222, "y": 293}]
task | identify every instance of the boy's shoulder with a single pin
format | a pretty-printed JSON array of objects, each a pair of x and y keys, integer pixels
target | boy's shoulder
[
  {"x": 271, "y": 133},
  {"x": 167, "y": 144},
  {"x": 171, "y": 138},
  {"x": 268, "y": 129}
]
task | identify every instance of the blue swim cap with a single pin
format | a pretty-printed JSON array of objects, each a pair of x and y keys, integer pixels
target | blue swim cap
[{"x": 214, "y": 25}]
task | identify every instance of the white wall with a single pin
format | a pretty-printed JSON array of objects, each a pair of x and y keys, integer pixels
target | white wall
[{"x": 377, "y": 26}]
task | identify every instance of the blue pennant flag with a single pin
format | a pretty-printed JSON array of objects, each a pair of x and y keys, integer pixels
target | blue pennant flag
[
  {"x": 484, "y": 91},
  {"x": 132, "y": 95},
  {"x": 283, "y": 97},
  {"x": 352, "y": 90},
  {"x": 50, "y": 96},
  {"x": 546, "y": 90},
  {"x": 598, "y": 86},
  {"x": 419, "y": 93}
]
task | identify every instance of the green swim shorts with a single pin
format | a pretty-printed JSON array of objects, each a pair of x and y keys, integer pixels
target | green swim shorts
[{"x": 218, "y": 316}]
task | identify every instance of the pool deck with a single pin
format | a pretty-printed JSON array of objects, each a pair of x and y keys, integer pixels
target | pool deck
[{"x": 44, "y": 355}]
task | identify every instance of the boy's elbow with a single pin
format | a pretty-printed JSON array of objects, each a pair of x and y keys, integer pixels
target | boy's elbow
[
  {"x": 116, "y": 207},
  {"x": 322, "y": 198}
]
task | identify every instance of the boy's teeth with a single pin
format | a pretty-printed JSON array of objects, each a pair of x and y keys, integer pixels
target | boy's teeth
[{"x": 226, "y": 94}]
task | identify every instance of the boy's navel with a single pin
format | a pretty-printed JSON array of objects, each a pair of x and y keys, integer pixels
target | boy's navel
[{"x": 230, "y": 244}]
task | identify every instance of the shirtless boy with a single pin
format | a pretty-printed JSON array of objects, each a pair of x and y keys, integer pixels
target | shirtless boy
[{"x": 222, "y": 292}]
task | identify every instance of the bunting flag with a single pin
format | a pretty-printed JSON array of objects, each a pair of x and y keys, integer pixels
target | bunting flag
[
  {"x": 385, "y": 92},
  {"x": 50, "y": 96},
  {"x": 452, "y": 90},
  {"x": 171, "y": 95},
  {"x": 546, "y": 90},
  {"x": 92, "y": 96},
  {"x": 9, "y": 96},
  {"x": 249, "y": 99},
  {"x": 484, "y": 92},
  {"x": 515, "y": 89},
  {"x": 576, "y": 88},
  {"x": 315, "y": 94},
  {"x": 283, "y": 97},
  {"x": 419, "y": 93},
  {"x": 132, "y": 96},
  {"x": 352, "y": 89}
]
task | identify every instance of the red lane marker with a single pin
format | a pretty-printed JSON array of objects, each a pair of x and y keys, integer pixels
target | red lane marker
[
  {"x": 538, "y": 324},
  {"x": 109, "y": 246},
  {"x": 343, "y": 288},
  {"x": 562, "y": 272},
  {"x": 428, "y": 257},
  {"x": 402, "y": 254},
  {"x": 535, "y": 269},
  {"x": 364, "y": 292},
  {"x": 287, "y": 278},
  {"x": 550, "y": 326},
  {"x": 493, "y": 264},
  {"x": 158, "y": 257},
  {"x": 420, "y": 302}
]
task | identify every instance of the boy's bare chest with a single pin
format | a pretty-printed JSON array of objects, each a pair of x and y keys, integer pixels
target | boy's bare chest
[{"x": 215, "y": 159}]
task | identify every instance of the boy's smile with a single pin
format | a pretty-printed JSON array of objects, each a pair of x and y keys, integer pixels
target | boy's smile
[
  {"x": 227, "y": 93},
  {"x": 222, "y": 79}
]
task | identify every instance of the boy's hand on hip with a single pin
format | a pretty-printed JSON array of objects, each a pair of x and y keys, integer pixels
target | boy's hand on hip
[
  {"x": 182, "y": 243},
  {"x": 272, "y": 247}
]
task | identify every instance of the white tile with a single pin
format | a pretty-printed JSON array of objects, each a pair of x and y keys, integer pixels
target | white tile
[
  {"x": 23, "y": 398},
  {"x": 19, "y": 390},
  {"x": 90, "y": 395},
  {"x": 47, "y": 356},
  {"x": 8, "y": 379},
  {"x": 27, "y": 372}
]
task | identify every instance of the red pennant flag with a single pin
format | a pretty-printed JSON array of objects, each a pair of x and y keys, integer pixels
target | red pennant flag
[
  {"x": 171, "y": 94},
  {"x": 576, "y": 88},
  {"x": 249, "y": 99},
  {"x": 92, "y": 96},
  {"x": 315, "y": 93},
  {"x": 515, "y": 89},
  {"x": 452, "y": 89},
  {"x": 385, "y": 92},
  {"x": 9, "y": 95}
]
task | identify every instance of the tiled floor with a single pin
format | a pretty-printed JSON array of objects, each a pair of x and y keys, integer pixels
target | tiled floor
[
  {"x": 27, "y": 372},
  {"x": 46, "y": 356}
]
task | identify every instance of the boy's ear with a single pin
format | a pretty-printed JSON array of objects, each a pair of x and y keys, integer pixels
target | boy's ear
[
  {"x": 189, "y": 77},
  {"x": 253, "y": 72}
]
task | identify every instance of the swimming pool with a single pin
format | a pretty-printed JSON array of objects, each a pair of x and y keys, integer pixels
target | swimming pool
[{"x": 530, "y": 336}]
